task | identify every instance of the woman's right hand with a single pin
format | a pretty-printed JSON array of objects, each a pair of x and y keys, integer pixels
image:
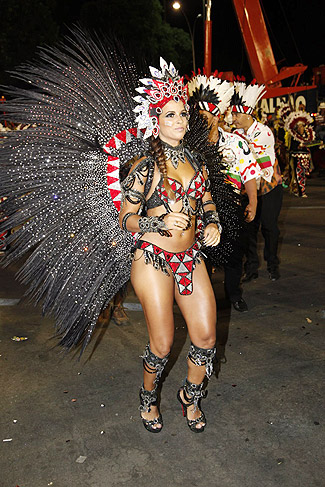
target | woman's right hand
[{"x": 176, "y": 221}]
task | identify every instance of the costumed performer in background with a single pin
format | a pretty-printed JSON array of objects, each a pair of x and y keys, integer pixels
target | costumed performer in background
[
  {"x": 212, "y": 96},
  {"x": 299, "y": 126},
  {"x": 260, "y": 139}
]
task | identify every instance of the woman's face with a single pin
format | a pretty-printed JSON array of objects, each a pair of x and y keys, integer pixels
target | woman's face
[{"x": 173, "y": 122}]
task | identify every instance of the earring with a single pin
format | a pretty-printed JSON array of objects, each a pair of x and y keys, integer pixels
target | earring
[{"x": 187, "y": 128}]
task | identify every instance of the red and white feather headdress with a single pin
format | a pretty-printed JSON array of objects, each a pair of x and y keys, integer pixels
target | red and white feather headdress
[
  {"x": 245, "y": 97},
  {"x": 164, "y": 86},
  {"x": 294, "y": 120},
  {"x": 212, "y": 94}
]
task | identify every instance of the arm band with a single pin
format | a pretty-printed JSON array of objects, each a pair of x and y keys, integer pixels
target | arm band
[
  {"x": 212, "y": 216},
  {"x": 126, "y": 216},
  {"x": 209, "y": 202},
  {"x": 153, "y": 224}
]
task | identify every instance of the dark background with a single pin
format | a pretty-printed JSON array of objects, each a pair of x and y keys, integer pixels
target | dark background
[
  {"x": 151, "y": 28},
  {"x": 296, "y": 30}
]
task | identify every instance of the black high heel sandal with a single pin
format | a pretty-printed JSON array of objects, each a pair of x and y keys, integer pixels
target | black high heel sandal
[
  {"x": 148, "y": 399},
  {"x": 192, "y": 395}
]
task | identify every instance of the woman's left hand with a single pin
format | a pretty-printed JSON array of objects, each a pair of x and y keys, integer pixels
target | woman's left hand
[{"x": 211, "y": 235}]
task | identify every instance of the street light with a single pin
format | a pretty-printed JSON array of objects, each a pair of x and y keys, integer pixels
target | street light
[
  {"x": 178, "y": 6},
  {"x": 208, "y": 37}
]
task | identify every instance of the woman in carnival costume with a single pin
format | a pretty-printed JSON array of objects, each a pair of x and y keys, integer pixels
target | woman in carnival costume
[
  {"x": 298, "y": 125},
  {"x": 177, "y": 193},
  {"x": 61, "y": 178}
]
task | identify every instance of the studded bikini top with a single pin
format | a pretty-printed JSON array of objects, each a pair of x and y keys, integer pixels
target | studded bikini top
[
  {"x": 144, "y": 172},
  {"x": 195, "y": 190}
]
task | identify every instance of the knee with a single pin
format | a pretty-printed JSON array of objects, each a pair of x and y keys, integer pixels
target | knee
[
  {"x": 207, "y": 342},
  {"x": 161, "y": 348}
]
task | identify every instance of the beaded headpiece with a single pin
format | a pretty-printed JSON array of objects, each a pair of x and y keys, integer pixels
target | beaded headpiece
[
  {"x": 164, "y": 86},
  {"x": 246, "y": 97},
  {"x": 211, "y": 94},
  {"x": 294, "y": 120}
]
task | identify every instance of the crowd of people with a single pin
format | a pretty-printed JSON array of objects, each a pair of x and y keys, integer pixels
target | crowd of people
[
  {"x": 296, "y": 133},
  {"x": 193, "y": 147}
]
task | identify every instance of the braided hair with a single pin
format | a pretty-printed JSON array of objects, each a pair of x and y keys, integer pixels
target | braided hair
[{"x": 159, "y": 156}]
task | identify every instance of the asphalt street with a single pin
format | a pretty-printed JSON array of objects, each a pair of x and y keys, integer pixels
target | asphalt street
[{"x": 69, "y": 423}]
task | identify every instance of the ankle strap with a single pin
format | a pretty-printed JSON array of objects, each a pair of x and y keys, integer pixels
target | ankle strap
[
  {"x": 193, "y": 392},
  {"x": 147, "y": 398}
]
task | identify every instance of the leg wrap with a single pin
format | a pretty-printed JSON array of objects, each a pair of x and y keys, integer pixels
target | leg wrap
[
  {"x": 147, "y": 398},
  {"x": 202, "y": 356},
  {"x": 153, "y": 365},
  {"x": 193, "y": 392}
]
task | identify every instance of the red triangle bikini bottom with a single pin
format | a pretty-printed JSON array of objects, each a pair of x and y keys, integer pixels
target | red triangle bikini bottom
[{"x": 181, "y": 264}]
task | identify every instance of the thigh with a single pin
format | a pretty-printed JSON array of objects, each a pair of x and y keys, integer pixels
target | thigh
[
  {"x": 199, "y": 309},
  {"x": 155, "y": 291}
]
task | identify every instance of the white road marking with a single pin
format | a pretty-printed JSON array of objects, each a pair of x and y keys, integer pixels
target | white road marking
[
  {"x": 132, "y": 306},
  {"x": 306, "y": 207},
  {"x": 9, "y": 302}
]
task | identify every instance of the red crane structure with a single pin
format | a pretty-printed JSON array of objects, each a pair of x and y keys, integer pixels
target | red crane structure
[{"x": 260, "y": 54}]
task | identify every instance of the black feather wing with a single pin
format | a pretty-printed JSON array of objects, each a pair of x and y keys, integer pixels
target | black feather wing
[{"x": 74, "y": 99}]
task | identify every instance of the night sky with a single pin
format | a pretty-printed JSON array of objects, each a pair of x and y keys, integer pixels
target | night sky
[{"x": 295, "y": 27}]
